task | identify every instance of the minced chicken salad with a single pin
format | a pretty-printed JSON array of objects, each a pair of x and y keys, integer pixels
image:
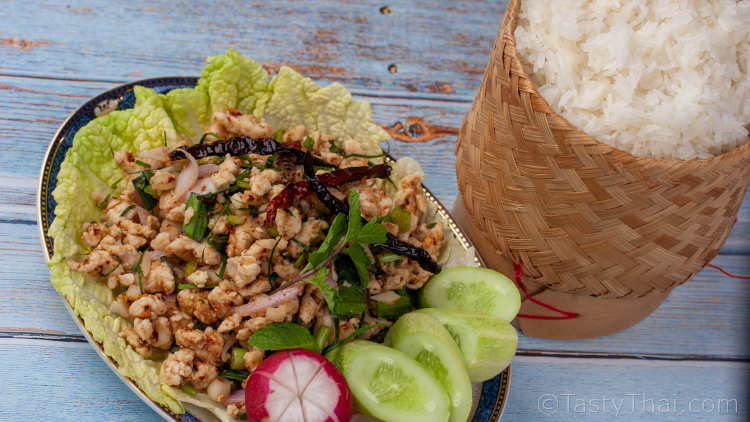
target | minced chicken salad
[{"x": 189, "y": 223}]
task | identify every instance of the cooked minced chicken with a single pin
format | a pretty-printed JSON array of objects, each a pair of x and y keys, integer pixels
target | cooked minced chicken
[{"x": 182, "y": 296}]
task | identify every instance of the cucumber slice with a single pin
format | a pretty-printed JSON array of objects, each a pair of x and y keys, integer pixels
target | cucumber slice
[
  {"x": 391, "y": 386},
  {"x": 424, "y": 339},
  {"x": 487, "y": 342},
  {"x": 472, "y": 289}
]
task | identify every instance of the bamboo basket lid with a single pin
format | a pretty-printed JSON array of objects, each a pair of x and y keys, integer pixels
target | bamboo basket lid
[{"x": 586, "y": 221}]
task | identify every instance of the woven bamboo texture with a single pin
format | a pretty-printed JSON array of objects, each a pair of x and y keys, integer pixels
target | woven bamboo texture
[{"x": 583, "y": 217}]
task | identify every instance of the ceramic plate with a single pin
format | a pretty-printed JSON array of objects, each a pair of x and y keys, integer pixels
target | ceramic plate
[{"x": 489, "y": 397}]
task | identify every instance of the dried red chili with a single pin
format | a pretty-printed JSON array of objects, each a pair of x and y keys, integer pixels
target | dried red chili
[
  {"x": 239, "y": 145},
  {"x": 295, "y": 192}
]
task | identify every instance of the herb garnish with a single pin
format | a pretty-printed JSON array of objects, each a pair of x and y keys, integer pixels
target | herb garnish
[
  {"x": 142, "y": 185},
  {"x": 233, "y": 374},
  {"x": 143, "y": 164},
  {"x": 283, "y": 336},
  {"x": 196, "y": 227},
  {"x": 127, "y": 210}
]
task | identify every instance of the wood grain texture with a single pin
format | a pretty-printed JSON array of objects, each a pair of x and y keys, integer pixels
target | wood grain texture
[
  {"x": 75, "y": 384},
  {"x": 54, "y": 55},
  {"x": 438, "y": 46}
]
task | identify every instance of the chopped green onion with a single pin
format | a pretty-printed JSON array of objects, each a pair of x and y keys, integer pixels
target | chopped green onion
[
  {"x": 394, "y": 310},
  {"x": 270, "y": 160},
  {"x": 112, "y": 270},
  {"x": 127, "y": 210},
  {"x": 273, "y": 279},
  {"x": 308, "y": 142},
  {"x": 143, "y": 164},
  {"x": 140, "y": 184},
  {"x": 278, "y": 136},
  {"x": 103, "y": 202},
  {"x": 218, "y": 241},
  {"x": 400, "y": 217},
  {"x": 190, "y": 267},
  {"x": 389, "y": 257},
  {"x": 253, "y": 210},
  {"x": 238, "y": 358},
  {"x": 137, "y": 270},
  {"x": 196, "y": 227},
  {"x": 272, "y": 231},
  {"x": 174, "y": 348},
  {"x": 300, "y": 262},
  {"x": 205, "y": 135},
  {"x": 234, "y": 374},
  {"x": 188, "y": 389},
  {"x": 114, "y": 184},
  {"x": 365, "y": 155},
  {"x": 334, "y": 148},
  {"x": 235, "y": 220},
  {"x": 322, "y": 336},
  {"x": 186, "y": 286},
  {"x": 304, "y": 246},
  {"x": 222, "y": 268}
]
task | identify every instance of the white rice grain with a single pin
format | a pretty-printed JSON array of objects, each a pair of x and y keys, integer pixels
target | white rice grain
[{"x": 657, "y": 78}]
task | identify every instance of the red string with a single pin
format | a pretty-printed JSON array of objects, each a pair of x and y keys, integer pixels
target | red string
[
  {"x": 571, "y": 315},
  {"x": 525, "y": 291},
  {"x": 727, "y": 273}
]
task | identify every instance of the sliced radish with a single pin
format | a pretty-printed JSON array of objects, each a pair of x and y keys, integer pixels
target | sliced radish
[{"x": 297, "y": 386}]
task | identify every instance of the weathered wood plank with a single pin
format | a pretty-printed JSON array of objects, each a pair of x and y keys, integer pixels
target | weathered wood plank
[
  {"x": 34, "y": 108},
  {"x": 626, "y": 390},
  {"x": 78, "y": 385},
  {"x": 709, "y": 316},
  {"x": 438, "y": 46},
  {"x": 71, "y": 381}
]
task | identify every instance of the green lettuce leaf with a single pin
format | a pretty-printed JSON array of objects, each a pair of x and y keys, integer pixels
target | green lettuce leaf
[
  {"x": 188, "y": 108},
  {"x": 232, "y": 80},
  {"x": 297, "y": 100},
  {"x": 87, "y": 298}
]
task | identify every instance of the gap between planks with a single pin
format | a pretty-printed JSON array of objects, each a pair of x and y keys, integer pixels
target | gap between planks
[
  {"x": 368, "y": 93},
  {"x": 33, "y": 338}
]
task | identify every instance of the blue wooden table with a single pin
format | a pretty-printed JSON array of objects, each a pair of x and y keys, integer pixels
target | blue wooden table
[{"x": 417, "y": 59}]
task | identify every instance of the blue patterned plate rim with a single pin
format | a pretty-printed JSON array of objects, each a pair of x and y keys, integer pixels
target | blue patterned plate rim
[{"x": 493, "y": 393}]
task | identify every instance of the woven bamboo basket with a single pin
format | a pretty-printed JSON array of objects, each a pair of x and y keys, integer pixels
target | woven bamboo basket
[{"x": 598, "y": 231}]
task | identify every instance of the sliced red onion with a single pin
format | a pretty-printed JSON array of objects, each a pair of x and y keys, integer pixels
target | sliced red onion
[
  {"x": 157, "y": 154},
  {"x": 142, "y": 213},
  {"x": 204, "y": 186},
  {"x": 187, "y": 177},
  {"x": 265, "y": 302},
  {"x": 236, "y": 397},
  {"x": 207, "y": 169},
  {"x": 389, "y": 297}
]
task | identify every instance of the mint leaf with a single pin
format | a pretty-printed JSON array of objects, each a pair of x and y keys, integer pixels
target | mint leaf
[
  {"x": 361, "y": 262},
  {"x": 196, "y": 227},
  {"x": 319, "y": 279},
  {"x": 350, "y": 301},
  {"x": 355, "y": 217},
  {"x": 335, "y": 232},
  {"x": 372, "y": 232},
  {"x": 282, "y": 336}
]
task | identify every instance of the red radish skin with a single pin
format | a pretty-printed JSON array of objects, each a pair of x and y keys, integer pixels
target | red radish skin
[{"x": 297, "y": 386}]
